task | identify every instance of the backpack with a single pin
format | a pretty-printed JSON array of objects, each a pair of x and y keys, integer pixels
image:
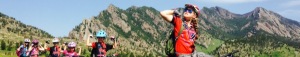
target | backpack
[{"x": 170, "y": 43}]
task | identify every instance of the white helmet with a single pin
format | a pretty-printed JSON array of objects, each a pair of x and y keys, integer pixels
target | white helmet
[
  {"x": 55, "y": 40},
  {"x": 26, "y": 40},
  {"x": 72, "y": 44}
]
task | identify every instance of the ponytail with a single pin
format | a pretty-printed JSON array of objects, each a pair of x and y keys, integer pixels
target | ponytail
[{"x": 195, "y": 26}]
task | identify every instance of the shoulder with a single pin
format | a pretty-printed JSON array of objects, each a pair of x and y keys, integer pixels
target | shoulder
[
  {"x": 176, "y": 20},
  {"x": 22, "y": 46},
  {"x": 76, "y": 54},
  {"x": 94, "y": 44},
  {"x": 65, "y": 52}
]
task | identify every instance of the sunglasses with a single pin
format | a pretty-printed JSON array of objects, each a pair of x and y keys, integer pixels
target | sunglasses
[
  {"x": 55, "y": 42},
  {"x": 188, "y": 10},
  {"x": 35, "y": 43},
  {"x": 71, "y": 47}
]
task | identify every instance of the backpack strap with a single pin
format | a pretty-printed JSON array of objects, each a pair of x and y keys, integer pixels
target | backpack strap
[{"x": 181, "y": 29}]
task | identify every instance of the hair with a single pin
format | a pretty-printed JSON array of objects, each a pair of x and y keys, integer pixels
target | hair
[
  {"x": 27, "y": 45},
  {"x": 195, "y": 26}
]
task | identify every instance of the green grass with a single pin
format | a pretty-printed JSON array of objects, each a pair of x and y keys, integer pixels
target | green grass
[
  {"x": 5, "y": 53},
  {"x": 214, "y": 44}
]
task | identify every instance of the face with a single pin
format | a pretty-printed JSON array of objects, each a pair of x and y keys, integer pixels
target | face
[
  {"x": 189, "y": 14},
  {"x": 26, "y": 43},
  {"x": 55, "y": 43},
  {"x": 71, "y": 49},
  {"x": 101, "y": 39},
  {"x": 35, "y": 44}
]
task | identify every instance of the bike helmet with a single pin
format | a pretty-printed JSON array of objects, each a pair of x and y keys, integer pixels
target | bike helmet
[
  {"x": 27, "y": 40},
  {"x": 101, "y": 33},
  {"x": 72, "y": 44}
]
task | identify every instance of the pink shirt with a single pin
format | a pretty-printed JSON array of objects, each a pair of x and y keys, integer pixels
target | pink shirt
[{"x": 69, "y": 54}]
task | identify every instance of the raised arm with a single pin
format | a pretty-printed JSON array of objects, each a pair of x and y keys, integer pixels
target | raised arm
[
  {"x": 79, "y": 52},
  {"x": 115, "y": 45},
  {"x": 45, "y": 46},
  {"x": 63, "y": 46},
  {"x": 88, "y": 42},
  {"x": 20, "y": 47},
  {"x": 41, "y": 48},
  {"x": 29, "y": 49},
  {"x": 167, "y": 15}
]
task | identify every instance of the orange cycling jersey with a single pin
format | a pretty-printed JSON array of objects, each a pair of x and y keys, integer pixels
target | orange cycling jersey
[{"x": 185, "y": 42}]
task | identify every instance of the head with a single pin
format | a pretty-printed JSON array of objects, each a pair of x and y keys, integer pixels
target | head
[
  {"x": 55, "y": 41},
  {"x": 35, "y": 42},
  {"x": 71, "y": 46},
  {"x": 101, "y": 35},
  {"x": 191, "y": 12},
  {"x": 26, "y": 42}
]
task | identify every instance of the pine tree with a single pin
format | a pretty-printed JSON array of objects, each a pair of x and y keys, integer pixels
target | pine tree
[
  {"x": 3, "y": 45},
  {"x": 10, "y": 45}
]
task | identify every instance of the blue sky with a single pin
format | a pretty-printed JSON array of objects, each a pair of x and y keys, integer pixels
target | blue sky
[{"x": 59, "y": 17}]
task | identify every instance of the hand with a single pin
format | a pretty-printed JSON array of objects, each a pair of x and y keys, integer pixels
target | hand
[
  {"x": 40, "y": 45},
  {"x": 47, "y": 42},
  {"x": 115, "y": 45},
  {"x": 31, "y": 45},
  {"x": 177, "y": 12},
  {"x": 79, "y": 48},
  {"x": 115, "y": 54}
]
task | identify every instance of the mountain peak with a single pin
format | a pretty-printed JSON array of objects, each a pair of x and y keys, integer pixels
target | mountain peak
[
  {"x": 222, "y": 12},
  {"x": 260, "y": 9},
  {"x": 112, "y": 8},
  {"x": 257, "y": 12},
  {"x": 217, "y": 8}
]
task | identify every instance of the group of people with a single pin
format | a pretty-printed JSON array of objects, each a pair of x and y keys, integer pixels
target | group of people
[
  {"x": 69, "y": 49},
  {"x": 185, "y": 33}
]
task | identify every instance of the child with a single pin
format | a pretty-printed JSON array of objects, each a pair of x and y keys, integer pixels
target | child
[
  {"x": 70, "y": 52},
  {"x": 34, "y": 49}
]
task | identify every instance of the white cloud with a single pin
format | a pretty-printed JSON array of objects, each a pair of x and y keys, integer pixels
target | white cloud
[
  {"x": 292, "y": 3},
  {"x": 230, "y": 1}
]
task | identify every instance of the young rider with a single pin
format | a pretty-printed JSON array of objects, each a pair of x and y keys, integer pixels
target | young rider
[
  {"x": 21, "y": 51},
  {"x": 184, "y": 42},
  {"x": 34, "y": 49},
  {"x": 100, "y": 48},
  {"x": 54, "y": 50},
  {"x": 70, "y": 51}
]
